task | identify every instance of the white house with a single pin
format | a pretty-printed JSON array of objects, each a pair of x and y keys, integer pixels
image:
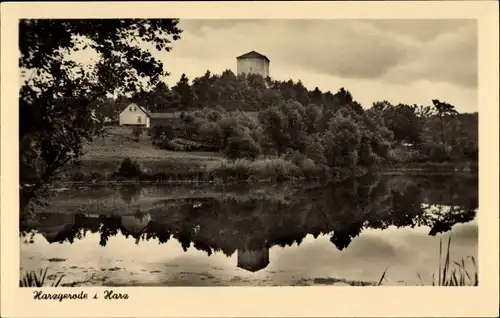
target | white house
[{"x": 134, "y": 115}]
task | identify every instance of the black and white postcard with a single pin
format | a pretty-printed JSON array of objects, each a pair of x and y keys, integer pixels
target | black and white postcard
[{"x": 328, "y": 150}]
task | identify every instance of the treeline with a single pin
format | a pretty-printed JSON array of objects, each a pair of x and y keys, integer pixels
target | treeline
[
  {"x": 230, "y": 222},
  {"x": 436, "y": 133},
  {"x": 227, "y": 90},
  {"x": 250, "y": 116}
]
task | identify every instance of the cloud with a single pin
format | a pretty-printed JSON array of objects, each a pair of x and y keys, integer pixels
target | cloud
[
  {"x": 390, "y": 50},
  {"x": 402, "y": 61},
  {"x": 449, "y": 57}
]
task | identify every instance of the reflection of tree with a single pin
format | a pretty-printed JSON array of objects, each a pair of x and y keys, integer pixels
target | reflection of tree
[
  {"x": 342, "y": 210},
  {"x": 341, "y": 238},
  {"x": 109, "y": 227},
  {"x": 129, "y": 193}
]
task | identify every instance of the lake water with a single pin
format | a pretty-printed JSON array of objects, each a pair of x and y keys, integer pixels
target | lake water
[{"x": 345, "y": 234}]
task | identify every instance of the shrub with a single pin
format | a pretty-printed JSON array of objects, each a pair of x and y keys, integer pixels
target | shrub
[
  {"x": 78, "y": 176},
  {"x": 400, "y": 155},
  {"x": 179, "y": 144},
  {"x": 277, "y": 169},
  {"x": 296, "y": 157},
  {"x": 210, "y": 132},
  {"x": 242, "y": 146},
  {"x": 161, "y": 132},
  {"x": 136, "y": 132},
  {"x": 315, "y": 150},
  {"x": 311, "y": 170},
  {"x": 214, "y": 115},
  {"x": 96, "y": 176},
  {"x": 435, "y": 152},
  {"x": 129, "y": 168},
  {"x": 225, "y": 170}
]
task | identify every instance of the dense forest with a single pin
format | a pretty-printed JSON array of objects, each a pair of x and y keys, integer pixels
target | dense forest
[{"x": 249, "y": 116}]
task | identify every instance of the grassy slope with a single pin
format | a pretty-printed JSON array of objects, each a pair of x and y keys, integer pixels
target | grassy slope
[
  {"x": 104, "y": 154},
  {"x": 119, "y": 143}
]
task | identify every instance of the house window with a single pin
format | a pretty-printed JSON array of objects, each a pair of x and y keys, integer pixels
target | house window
[
  {"x": 135, "y": 109},
  {"x": 130, "y": 108},
  {"x": 139, "y": 119}
]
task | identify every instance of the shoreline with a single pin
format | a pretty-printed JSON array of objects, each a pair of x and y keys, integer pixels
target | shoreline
[{"x": 175, "y": 180}]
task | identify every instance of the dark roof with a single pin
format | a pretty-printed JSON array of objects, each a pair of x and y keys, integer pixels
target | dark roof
[
  {"x": 143, "y": 109},
  {"x": 140, "y": 107},
  {"x": 253, "y": 54},
  {"x": 163, "y": 115}
]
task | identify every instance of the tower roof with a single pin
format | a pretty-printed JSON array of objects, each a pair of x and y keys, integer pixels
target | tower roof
[{"x": 253, "y": 54}]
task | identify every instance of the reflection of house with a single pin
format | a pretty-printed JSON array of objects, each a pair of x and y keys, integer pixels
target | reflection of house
[
  {"x": 134, "y": 115},
  {"x": 135, "y": 224},
  {"x": 54, "y": 226},
  {"x": 253, "y": 260},
  {"x": 91, "y": 222}
]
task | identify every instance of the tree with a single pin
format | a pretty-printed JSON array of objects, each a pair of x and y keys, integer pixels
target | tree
[
  {"x": 301, "y": 93},
  {"x": 275, "y": 123},
  {"x": 55, "y": 102},
  {"x": 315, "y": 149},
  {"x": 161, "y": 99},
  {"x": 296, "y": 128},
  {"x": 106, "y": 110},
  {"x": 183, "y": 89},
  {"x": 313, "y": 114},
  {"x": 317, "y": 96},
  {"x": 200, "y": 87},
  {"x": 342, "y": 141},
  {"x": 443, "y": 109},
  {"x": 402, "y": 120}
]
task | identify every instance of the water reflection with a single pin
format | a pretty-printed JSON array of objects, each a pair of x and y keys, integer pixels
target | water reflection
[{"x": 250, "y": 225}]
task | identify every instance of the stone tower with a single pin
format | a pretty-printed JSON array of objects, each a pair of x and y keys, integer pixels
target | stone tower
[{"x": 253, "y": 63}]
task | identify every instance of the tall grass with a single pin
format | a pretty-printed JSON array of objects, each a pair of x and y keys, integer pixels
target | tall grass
[
  {"x": 457, "y": 275},
  {"x": 450, "y": 273},
  {"x": 37, "y": 279},
  {"x": 276, "y": 169}
]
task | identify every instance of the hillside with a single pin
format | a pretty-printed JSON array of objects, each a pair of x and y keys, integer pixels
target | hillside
[
  {"x": 119, "y": 143},
  {"x": 104, "y": 155}
]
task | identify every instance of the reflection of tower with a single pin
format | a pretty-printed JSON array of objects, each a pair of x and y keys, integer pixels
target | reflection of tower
[
  {"x": 135, "y": 224},
  {"x": 253, "y": 260}
]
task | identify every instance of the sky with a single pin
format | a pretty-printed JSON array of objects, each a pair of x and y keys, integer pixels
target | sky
[
  {"x": 398, "y": 60},
  {"x": 402, "y": 61}
]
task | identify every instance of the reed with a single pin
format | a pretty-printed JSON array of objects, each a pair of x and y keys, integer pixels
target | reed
[
  {"x": 450, "y": 273},
  {"x": 457, "y": 275},
  {"x": 37, "y": 279}
]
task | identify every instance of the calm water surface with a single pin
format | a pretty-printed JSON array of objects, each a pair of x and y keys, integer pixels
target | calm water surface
[{"x": 346, "y": 234}]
